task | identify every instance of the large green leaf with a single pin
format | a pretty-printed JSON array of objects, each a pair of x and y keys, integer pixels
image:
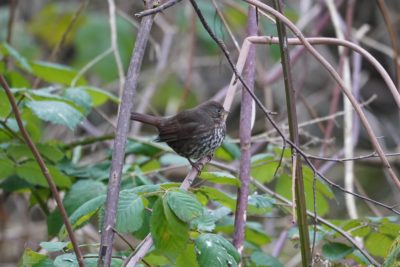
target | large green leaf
[
  {"x": 214, "y": 250},
  {"x": 184, "y": 205},
  {"x": 220, "y": 178},
  {"x": 130, "y": 212},
  {"x": 21, "y": 61},
  {"x": 81, "y": 192},
  {"x": 55, "y": 73},
  {"x": 263, "y": 167},
  {"x": 336, "y": 251},
  {"x": 170, "y": 234},
  {"x": 56, "y": 112},
  {"x": 48, "y": 151},
  {"x": 217, "y": 195},
  {"x": 384, "y": 242},
  {"x": 187, "y": 258},
  {"x": 30, "y": 172},
  {"x": 82, "y": 215}
]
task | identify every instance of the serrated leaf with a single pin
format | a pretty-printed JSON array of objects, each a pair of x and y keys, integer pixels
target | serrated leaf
[
  {"x": 54, "y": 246},
  {"x": 170, "y": 234},
  {"x": 262, "y": 259},
  {"x": 56, "y": 112},
  {"x": 214, "y": 250},
  {"x": 336, "y": 251},
  {"x": 30, "y": 172},
  {"x": 5, "y": 107},
  {"x": 130, "y": 212},
  {"x": 81, "y": 215},
  {"x": 259, "y": 204},
  {"x": 184, "y": 205},
  {"x": 206, "y": 222},
  {"x": 80, "y": 98},
  {"x": 55, "y": 73},
  {"x": 220, "y": 178}
]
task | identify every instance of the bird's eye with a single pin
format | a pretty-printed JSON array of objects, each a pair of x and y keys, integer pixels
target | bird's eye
[{"x": 219, "y": 111}]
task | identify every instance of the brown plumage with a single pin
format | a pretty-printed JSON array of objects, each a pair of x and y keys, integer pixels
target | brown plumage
[{"x": 192, "y": 133}]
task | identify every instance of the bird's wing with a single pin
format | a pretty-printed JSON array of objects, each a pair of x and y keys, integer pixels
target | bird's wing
[{"x": 182, "y": 127}]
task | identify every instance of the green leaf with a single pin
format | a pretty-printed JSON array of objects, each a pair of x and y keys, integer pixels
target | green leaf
[
  {"x": 31, "y": 258},
  {"x": 137, "y": 148},
  {"x": 336, "y": 251},
  {"x": 214, "y": 250},
  {"x": 56, "y": 112},
  {"x": 7, "y": 167},
  {"x": 66, "y": 260},
  {"x": 260, "y": 204},
  {"x": 217, "y": 195},
  {"x": 264, "y": 172},
  {"x": 220, "y": 178},
  {"x": 55, "y": 73},
  {"x": 184, "y": 205},
  {"x": 187, "y": 258},
  {"x": 21, "y": 61},
  {"x": 170, "y": 234},
  {"x": 130, "y": 212},
  {"x": 262, "y": 259},
  {"x": 80, "y": 98},
  {"x": 22, "y": 152},
  {"x": 30, "y": 172},
  {"x": 80, "y": 194},
  {"x": 5, "y": 107},
  {"x": 206, "y": 222},
  {"x": 384, "y": 242},
  {"x": 284, "y": 185},
  {"x": 99, "y": 96},
  {"x": 393, "y": 257},
  {"x": 54, "y": 246},
  {"x": 81, "y": 215}
]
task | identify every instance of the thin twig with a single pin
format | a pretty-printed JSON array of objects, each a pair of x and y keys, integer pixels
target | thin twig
[
  {"x": 337, "y": 78},
  {"x": 114, "y": 45},
  {"x": 44, "y": 170},
  {"x": 157, "y": 9}
]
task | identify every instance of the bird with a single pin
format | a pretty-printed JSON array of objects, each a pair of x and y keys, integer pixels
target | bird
[{"x": 193, "y": 133}]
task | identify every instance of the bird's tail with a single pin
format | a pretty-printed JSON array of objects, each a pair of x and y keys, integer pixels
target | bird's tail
[{"x": 147, "y": 119}]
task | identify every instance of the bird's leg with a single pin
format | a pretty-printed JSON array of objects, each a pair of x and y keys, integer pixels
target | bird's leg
[{"x": 195, "y": 165}]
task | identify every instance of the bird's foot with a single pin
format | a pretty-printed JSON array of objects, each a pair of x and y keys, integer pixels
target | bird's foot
[{"x": 197, "y": 165}]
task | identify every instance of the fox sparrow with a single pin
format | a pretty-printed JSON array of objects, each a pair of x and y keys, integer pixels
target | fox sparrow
[{"x": 193, "y": 133}]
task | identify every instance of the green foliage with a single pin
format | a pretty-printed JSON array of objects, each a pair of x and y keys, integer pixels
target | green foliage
[
  {"x": 261, "y": 259},
  {"x": 170, "y": 234},
  {"x": 214, "y": 250}
]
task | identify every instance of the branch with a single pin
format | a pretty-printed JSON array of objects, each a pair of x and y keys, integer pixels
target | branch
[
  {"x": 43, "y": 168},
  {"x": 107, "y": 235},
  {"x": 247, "y": 117}
]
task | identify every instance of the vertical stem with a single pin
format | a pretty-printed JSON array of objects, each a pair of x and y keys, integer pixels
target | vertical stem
[
  {"x": 107, "y": 235},
  {"x": 246, "y": 117},
  {"x": 294, "y": 137}
]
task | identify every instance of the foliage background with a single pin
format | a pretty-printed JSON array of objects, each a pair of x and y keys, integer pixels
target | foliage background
[{"x": 65, "y": 108}]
